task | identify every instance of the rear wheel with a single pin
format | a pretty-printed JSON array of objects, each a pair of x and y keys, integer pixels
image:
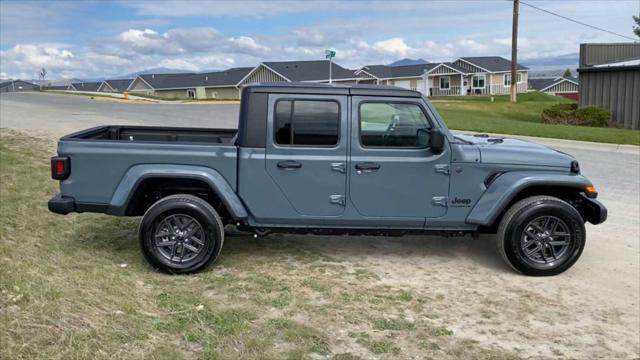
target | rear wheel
[
  {"x": 181, "y": 234},
  {"x": 541, "y": 236}
]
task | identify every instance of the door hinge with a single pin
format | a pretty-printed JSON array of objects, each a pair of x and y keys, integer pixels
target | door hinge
[
  {"x": 439, "y": 200},
  {"x": 442, "y": 168},
  {"x": 337, "y": 199},
  {"x": 339, "y": 167}
]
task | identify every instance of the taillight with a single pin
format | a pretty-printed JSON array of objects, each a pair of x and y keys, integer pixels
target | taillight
[{"x": 60, "y": 167}]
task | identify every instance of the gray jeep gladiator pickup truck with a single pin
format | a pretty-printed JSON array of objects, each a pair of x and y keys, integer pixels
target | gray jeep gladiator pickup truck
[{"x": 328, "y": 159}]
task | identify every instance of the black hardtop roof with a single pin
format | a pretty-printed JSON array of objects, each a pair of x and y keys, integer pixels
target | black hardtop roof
[{"x": 330, "y": 89}]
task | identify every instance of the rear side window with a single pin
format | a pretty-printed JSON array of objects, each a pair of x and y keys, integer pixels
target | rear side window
[{"x": 307, "y": 122}]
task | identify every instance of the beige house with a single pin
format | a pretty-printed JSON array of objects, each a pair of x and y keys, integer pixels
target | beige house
[{"x": 487, "y": 75}]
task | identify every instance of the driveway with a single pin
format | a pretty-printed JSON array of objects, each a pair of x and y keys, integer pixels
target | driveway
[{"x": 591, "y": 311}]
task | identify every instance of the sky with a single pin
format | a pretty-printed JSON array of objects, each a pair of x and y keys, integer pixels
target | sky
[{"x": 93, "y": 39}]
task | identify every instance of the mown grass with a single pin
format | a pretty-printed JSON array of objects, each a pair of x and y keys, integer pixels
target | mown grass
[
  {"x": 478, "y": 113},
  {"x": 76, "y": 287}
]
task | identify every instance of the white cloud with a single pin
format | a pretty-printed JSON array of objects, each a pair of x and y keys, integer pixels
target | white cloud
[
  {"x": 247, "y": 45},
  {"x": 175, "y": 41},
  {"x": 30, "y": 58},
  {"x": 393, "y": 46},
  {"x": 178, "y": 64},
  {"x": 473, "y": 47}
]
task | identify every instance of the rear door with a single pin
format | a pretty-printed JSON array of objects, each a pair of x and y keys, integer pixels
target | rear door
[
  {"x": 393, "y": 173},
  {"x": 307, "y": 151}
]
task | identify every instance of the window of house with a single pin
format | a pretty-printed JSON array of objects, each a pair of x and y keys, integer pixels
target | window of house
[
  {"x": 191, "y": 93},
  {"x": 444, "y": 82},
  {"x": 478, "y": 81},
  {"x": 388, "y": 124},
  {"x": 307, "y": 122},
  {"x": 507, "y": 79},
  {"x": 519, "y": 78}
]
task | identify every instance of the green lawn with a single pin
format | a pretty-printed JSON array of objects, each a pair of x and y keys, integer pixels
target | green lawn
[{"x": 523, "y": 118}]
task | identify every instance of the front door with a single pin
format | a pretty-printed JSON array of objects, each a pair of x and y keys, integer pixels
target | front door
[
  {"x": 393, "y": 173},
  {"x": 307, "y": 156}
]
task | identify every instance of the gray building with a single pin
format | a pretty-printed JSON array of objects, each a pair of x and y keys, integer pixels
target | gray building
[
  {"x": 17, "y": 85},
  {"x": 610, "y": 79}
]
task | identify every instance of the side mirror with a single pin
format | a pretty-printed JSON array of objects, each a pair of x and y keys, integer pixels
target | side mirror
[{"x": 436, "y": 142}]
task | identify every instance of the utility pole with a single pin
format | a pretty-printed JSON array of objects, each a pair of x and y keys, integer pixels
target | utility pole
[{"x": 514, "y": 52}]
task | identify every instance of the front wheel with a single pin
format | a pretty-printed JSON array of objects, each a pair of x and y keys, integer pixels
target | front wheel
[
  {"x": 181, "y": 234},
  {"x": 541, "y": 236}
]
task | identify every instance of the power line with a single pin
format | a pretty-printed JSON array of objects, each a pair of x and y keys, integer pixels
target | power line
[{"x": 576, "y": 21}]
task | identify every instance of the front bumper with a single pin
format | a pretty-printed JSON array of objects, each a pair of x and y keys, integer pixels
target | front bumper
[
  {"x": 593, "y": 210},
  {"x": 62, "y": 204}
]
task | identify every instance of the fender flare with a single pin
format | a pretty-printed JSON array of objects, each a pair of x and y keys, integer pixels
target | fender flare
[
  {"x": 138, "y": 173},
  {"x": 506, "y": 186}
]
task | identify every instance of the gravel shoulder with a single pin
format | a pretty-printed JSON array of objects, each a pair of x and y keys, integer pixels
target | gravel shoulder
[{"x": 458, "y": 284}]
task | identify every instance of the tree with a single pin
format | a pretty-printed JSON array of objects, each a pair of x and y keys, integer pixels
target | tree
[
  {"x": 636, "y": 29},
  {"x": 42, "y": 75},
  {"x": 567, "y": 73}
]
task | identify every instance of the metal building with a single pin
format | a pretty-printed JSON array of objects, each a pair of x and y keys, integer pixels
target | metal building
[{"x": 610, "y": 79}]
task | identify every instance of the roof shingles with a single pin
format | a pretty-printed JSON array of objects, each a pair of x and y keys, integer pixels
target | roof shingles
[
  {"x": 313, "y": 70},
  {"x": 492, "y": 63}
]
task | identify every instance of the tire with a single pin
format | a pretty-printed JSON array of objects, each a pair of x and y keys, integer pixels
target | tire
[
  {"x": 529, "y": 242},
  {"x": 181, "y": 234}
]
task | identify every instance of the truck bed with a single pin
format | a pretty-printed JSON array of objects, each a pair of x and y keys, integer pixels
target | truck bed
[
  {"x": 156, "y": 134},
  {"x": 103, "y": 157}
]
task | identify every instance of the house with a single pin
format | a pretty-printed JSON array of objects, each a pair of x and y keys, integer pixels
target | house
[
  {"x": 407, "y": 76},
  {"x": 85, "y": 86},
  {"x": 566, "y": 87},
  {"x": 610, "y": 79},
  {"x": 17, "y": 85},
  {"x": 227, "y": 84},
  {"x": 308, "y": 71},
  {"x": 212, "y": 85},
  {"x": 490, "y": 75},
  {"x": 486, "y": 75},
  {"x": 114, "y": 86}
]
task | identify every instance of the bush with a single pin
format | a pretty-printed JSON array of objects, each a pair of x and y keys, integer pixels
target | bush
[
  {"x": 597, "y": 116},
  {"x": 570, "y": 114}
]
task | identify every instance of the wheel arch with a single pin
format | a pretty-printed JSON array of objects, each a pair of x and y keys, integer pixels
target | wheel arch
[
  {"x": 138, "y": 177},
  {"x": 511, "y": 187}
]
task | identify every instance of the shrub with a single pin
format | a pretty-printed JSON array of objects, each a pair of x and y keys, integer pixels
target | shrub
[
  {"x": 593, "y": 114},
  {"x": 570, "y": 114}
]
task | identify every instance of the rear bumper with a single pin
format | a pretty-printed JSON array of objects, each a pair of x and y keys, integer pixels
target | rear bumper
[
  {"x": 593, "y": 210},
  {"x": 62, "y": 204}
]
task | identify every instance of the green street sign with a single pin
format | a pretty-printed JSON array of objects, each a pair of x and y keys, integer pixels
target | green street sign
[{"x": 329, "y": 54}]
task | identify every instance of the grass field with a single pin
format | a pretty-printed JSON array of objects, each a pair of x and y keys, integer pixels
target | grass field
[
  {"x": 76, "y": 287},
  {"x": 523, "y": 118}
]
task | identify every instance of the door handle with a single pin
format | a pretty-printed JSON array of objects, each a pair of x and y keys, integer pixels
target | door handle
[
  {"x": 289, "y": 165},
  {"x": 367, "y": 166}
]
